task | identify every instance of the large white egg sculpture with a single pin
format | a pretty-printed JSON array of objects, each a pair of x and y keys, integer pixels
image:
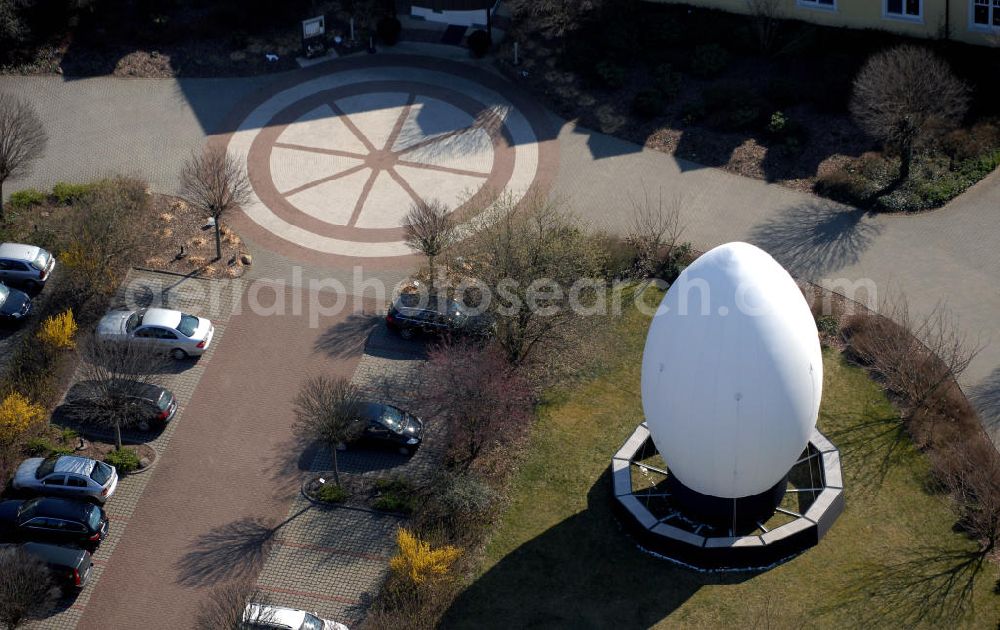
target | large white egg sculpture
[{"x": 732, "y": 373}]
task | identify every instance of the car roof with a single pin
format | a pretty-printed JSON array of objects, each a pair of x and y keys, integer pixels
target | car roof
[
  {"x": 54, "y": 554},
  {"x": 73, "y": 464},
  {"x": 412, "y": 302},
  {"x": 147, "y": 391},
  {"x": 59, "y": 508},
  {"x": 19, "y": 251},
  {"x": 278, "y": 614},
  {"x": 161, "y": 317}
]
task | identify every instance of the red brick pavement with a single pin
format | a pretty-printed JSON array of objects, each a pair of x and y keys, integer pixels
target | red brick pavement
[{"x": 231, "y": 458}]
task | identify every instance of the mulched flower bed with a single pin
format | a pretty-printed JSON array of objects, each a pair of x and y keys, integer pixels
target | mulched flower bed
[{"x": 363, "y": 491}]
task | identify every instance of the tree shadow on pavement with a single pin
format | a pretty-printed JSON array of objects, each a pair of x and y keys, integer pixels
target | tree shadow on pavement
[
  {"x": 583, "y": 572},
  {"x": 348, "y": 337},
  {"x": 236, "y": 550},
  {"x": 817, "y": 238}
]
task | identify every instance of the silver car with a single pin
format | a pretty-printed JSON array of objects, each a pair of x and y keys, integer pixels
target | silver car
[
  {"x": 67, "y": 476},
  {"x": 26, "y": 265},
  {"x": 173, "y": 332},
  {"x": 265, "y": 616}
]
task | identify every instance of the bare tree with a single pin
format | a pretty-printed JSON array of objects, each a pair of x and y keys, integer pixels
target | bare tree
[
  {"x": 215, "y": 181},
  {"x": 114, "y": 377},
  {"x": 327, "y": 410},
  {"x": 26, "y": 588},
  {"x": 479, "y": 394},
  {"x": 904, "y": 95},
  {"x": 429, "y": 230},
  {"x": 655, "y": 230},
  {"x": 22, "y": 139},
  {"x": 529, "y": 256},
  {"x": 232, "y": 606},
  {"x": 767, "y": 22}
]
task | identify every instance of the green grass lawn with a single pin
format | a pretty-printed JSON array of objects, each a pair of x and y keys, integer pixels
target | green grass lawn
[{"x": 560, "y": 558}]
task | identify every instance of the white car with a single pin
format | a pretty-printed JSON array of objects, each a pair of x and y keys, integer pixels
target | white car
[
  {"x": 26, "y": 265},
  {"x": 179, "y": 334},
  {"x": 264, "y": 616},
  {"x": 67, "y": 476}
]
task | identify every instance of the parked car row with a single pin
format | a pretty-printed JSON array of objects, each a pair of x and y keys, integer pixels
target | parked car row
[
  {"x": 24, "y": 266},
  {"x": 64, "y": 521}
]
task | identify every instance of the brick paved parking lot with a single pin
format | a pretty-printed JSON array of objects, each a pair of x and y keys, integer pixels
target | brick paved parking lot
[
  {"x": 153, "y": 289},
  {"x": 223, "y": 483}
]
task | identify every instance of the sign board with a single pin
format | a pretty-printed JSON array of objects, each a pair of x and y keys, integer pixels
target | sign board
[{"x": 313, "y": 27}]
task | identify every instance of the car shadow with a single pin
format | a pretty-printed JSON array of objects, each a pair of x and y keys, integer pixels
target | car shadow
[{"x": 583, "y": 572}]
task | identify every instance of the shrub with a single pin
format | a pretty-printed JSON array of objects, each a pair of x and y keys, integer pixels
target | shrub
[
  {"x": 37, "y": 447},
  {"x": 610, "y": 75},
  {"x": 26, "y": 198},
  {"x": 66, "y": 193},
  {"x": 417, "y": 562},
  {"x": 479, "y": 43},
  {"x": 67, "y": 435},
  {"x": 332, "y": 493},
  {"x": 827, "y": 325},
  {"x": 388, "y": 30},
  {"x": 667, "y": 81},
  {"x": 647, "y": 104},
  {"x": 124, "y": 460},
  {"x": 395, "y": 495},
  {"x": 18, "y": 415},
  {"x": 778, "y": 124},
  {"x": 58, "y": 331},
  {"x": 709, "y": 60},
  {"x": 844, "y": 186}
]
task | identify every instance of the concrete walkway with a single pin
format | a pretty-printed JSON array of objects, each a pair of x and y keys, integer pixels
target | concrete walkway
[{"x": 951, "y": 255}]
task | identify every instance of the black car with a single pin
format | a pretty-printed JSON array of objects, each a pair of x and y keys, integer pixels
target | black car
[
  {"x": 153, "y": 406},
  {"x": 392, "y": 426},
  {"x": 409, "y": 317},
  {"x": 14, "y": 305},
  {"x": 70, "y": 567},
  {"x": 47, "y": 519}
]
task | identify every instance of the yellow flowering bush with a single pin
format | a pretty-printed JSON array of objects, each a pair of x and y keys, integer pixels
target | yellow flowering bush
[
  {"x": 58, "y": 331},
  {"x": 17, "y": 415},
  {"x": 417, "y": 562}
]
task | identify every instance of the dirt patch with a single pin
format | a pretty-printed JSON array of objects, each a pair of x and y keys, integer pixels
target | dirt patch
[{"x": 183, "y": 241}]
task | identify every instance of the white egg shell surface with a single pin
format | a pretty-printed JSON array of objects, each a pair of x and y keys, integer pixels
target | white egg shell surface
[{"x": 732, "y": 373}]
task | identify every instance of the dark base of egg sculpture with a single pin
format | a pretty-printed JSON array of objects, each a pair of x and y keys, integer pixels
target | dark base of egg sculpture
[
  {"x": 810, "y": 500},
  {"x": 728, "y": 471}
]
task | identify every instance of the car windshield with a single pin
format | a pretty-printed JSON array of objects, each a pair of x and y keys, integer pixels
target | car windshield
[
  {"x": 46, "y": 467},
  {"x": 94, "y": 517},
  {"x": 163, "y": 402},
  {"x": 41, "y": 260},
  {"x": 133, "y": 322},
  {"x": 189, "y": 323},
  {"x": 28, "y": 509},
  {"x": 392, "y": 418},
  {"x": 311, "y": 623},
  {"x": 101, "y": 473}
]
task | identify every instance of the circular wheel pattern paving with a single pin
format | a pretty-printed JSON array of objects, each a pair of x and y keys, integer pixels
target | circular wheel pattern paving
[{"x": 337, "y": 161}]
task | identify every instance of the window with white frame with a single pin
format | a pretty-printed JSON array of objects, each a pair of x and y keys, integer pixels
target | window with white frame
[
  {"x": 818, "y": 4},
  {"x": 986, "y": 13},
  {"x": 911, "y": 9}
]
